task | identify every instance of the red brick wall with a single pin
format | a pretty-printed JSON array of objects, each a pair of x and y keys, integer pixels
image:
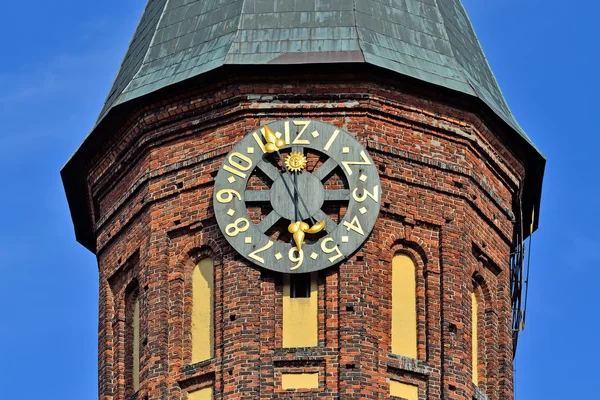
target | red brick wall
[{"x": 447, "y": 190}]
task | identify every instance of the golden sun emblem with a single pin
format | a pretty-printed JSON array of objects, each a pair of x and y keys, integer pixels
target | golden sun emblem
[{"x": 295, "y": 162}]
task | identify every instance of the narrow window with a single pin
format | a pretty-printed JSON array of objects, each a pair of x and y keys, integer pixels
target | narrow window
[
  {"x": 203, "y": 311},
  {"x": 132, "y": 340},
  {"x": 300, "y": 311},
  {"x": 136, "y": 345},
  {"x": 474, "y": 338},
  {"x": 404, "y": 306}
]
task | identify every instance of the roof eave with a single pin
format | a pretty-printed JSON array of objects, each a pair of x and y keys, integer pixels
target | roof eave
[{"x": 74, "y": 187}]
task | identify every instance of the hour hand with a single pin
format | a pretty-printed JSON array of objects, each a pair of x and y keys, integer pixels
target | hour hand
[{"x": 273, "y": 142}]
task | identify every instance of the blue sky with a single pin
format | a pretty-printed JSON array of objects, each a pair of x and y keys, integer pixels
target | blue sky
[{"x": 58, "y": 61}]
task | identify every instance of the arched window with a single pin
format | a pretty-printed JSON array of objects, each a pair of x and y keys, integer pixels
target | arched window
[
  {"x": 203, "y": 311},
  {"x": 474, "y": 338},
  {"x": 404, "y": 306}
]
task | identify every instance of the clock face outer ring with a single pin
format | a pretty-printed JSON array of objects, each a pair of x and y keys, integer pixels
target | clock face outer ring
[{"x": 364, "y": 197}]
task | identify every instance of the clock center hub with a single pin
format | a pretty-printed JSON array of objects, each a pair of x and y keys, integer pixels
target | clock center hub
[{"x": 311, "y": 190}]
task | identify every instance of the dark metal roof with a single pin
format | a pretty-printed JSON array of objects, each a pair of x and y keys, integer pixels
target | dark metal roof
[{"x": 428, "y": 40}]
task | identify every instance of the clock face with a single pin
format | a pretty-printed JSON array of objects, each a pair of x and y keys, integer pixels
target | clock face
[{"x": 297, "y": 196}]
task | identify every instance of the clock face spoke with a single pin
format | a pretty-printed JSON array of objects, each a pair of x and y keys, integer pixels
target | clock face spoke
[
  {"x": 298, "y": 149},
  {"x": 268, "y": 169},
  {"x": 325, "y": 169},
  {"x": 337, "y": 195},
  {"x": 329, "y": 224},
  {"x": 255, "y": 196},
  {"x": 268, "y": 221}
]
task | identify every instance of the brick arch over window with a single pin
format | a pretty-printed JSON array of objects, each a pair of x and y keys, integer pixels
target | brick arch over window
[{"x": 402, "y": 240}]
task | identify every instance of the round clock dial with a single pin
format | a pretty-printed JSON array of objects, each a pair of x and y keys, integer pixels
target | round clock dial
[{"x": 297, "y": 196}]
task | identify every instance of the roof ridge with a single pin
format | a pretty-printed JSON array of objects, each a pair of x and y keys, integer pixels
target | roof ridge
[
  {"x": 355, "y": 26},
  {"x": 237, "y": 31},
  {"x": 485, "y": 58},
  {"x": 459, "y": 68},
  {"x": 108, "y": 103},
  {"x": 162, "y": 15}
]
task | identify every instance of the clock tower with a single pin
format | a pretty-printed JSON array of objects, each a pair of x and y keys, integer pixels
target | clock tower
[{"x": 304, "y": 199}]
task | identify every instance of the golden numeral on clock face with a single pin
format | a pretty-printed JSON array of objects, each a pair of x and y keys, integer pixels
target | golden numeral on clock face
[
  {"x": 374, "y": 195},
  {"x": 259, "y": 142},
  {"x": 239, "y": 163},
  {"x": 365, "y": 161},
  {"x": 329, "y": 250},
  {"x": 235, "y": 228},
  {"x": 254, "y": 255},
  {"x": 286, "y": 132},
  {"x": 334, "y": 136},
  {"x": 297, "y": 139},
  {"x": 298, "y": 260},
  {"x": 226, "y": 195},
  {"x": 354, "y": 226}
]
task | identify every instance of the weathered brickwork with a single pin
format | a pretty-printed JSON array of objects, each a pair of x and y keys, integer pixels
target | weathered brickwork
[{"x": 448, "y": 186}]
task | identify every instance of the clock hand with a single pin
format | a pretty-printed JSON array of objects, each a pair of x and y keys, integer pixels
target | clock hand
[
  {"x": 295, "y": 195},
  {"x": 273, "y": 145},
  {"x": 297, "y": 192},
  {"x": 298, "y": 229}
]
